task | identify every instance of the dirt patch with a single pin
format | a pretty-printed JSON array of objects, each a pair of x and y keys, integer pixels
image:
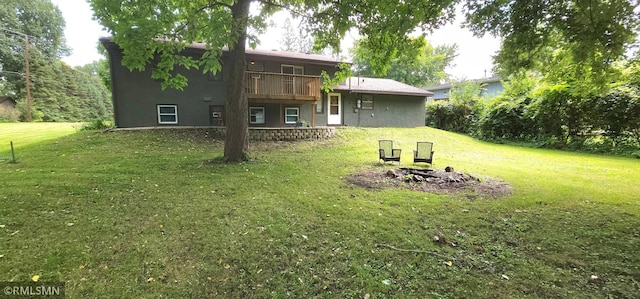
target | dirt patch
[{"x": 432, "y": 180}]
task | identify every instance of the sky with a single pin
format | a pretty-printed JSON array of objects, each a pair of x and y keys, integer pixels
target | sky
[{"x": 473, "y": 60}]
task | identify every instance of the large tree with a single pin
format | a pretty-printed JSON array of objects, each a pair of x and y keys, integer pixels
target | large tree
[
  {"x": 144, "y": 29},
  {"x": 43, "y": 23},
  {"x": 425, "y": 65},
  {"x": 591, "y": 33}
]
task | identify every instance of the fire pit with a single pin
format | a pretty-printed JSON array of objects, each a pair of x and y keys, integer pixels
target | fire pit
[{"x": 445, "y": 181}]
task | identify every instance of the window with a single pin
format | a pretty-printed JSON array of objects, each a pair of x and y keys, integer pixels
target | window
[
  {"x": 319, "y": 107},
  {"x": 367, "y": 102},
  {"x": 167, "y": 114},
  {"x": 256, "y": 115},
  {"x": 291, "y": 84},
  {"x": 292, "y": 69},
  {"x": 291, "y": 115}
]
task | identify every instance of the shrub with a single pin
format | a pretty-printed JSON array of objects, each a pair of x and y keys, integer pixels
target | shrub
[
  {"x": 506, "y": 118},
  {"x": 454, "y": 117},
  {"x": 97, "y": 124},
  {"x": 9, "y": 115},
  {"x": 559, "y": 113},
  {"x": 617, "y": 113}
]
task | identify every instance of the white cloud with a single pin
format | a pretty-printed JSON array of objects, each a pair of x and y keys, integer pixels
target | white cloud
[
  {"x": 474, "y": 54},
  {"x": 81, "y": 32}
]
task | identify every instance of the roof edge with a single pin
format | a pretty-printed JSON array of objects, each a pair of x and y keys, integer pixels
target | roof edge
[{"x": 306, "y": 57}]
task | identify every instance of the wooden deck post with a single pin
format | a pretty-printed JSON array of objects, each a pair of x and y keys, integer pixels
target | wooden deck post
[{"x": 313, "y": 113}]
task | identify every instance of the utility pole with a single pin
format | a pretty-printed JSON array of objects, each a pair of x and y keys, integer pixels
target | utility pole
[
  {"x": 28, "y": 87},
  {"x": 26, "y": 63}
]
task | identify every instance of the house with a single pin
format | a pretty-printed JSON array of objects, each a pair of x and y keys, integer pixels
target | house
[
  {"x": 283, "y": 90},
  {"x": 491, "y": 87},
  {"x": 7, "y": 104},
  {"x": 375, "y": 102}
]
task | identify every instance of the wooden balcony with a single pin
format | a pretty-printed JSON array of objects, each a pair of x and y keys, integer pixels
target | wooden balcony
[{"x": 273, "y": 86}]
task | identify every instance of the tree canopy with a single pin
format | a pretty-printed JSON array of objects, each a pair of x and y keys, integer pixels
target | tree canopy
[
  {"x": 423, "y": 66},
  {"x": 99, "y": 68},
  {"x": 43, "y": 23},
  {"x": 592, "y": 33},
  {"x": 61, "y": 93}
]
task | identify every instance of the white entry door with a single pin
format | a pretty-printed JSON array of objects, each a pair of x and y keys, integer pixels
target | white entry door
[{"x": 335, "y": 109}]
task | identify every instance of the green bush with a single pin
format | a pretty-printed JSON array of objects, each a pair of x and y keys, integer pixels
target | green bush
[
  {"x": 97, "y": 124},
  {"x": 559, "y": 113},
  {"x": 506, "y": 118},
  {"x": 617, "y": 113},
  {"x": 9, "y": 115},
  {"x": 556, "y": 116},
  {"x": 454, "y": 117}
]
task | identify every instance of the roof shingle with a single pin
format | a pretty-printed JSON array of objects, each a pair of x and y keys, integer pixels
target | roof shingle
[{"x": 381, "y": 86}]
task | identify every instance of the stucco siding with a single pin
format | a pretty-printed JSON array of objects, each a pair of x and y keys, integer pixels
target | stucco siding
[
  {"x": 320, "y": 118},
  {"x": 388, "y": 111},
  {"x": 136, "y": 97}
]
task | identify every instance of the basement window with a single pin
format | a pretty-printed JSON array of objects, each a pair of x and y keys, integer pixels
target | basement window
[
  {"x": 167, "y": 114},
  {"x": 256, "y": 115},
  {"x": 291, "y": 115}
]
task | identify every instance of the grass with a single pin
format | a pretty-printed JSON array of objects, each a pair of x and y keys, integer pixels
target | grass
[
  {"x": 145, "y": 215},
  {"x": 23, "y": 134}
]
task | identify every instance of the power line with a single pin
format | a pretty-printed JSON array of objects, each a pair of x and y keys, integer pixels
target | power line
[
  {"x": 16, "y": 32},
  {"x": 12, "y": 73}
]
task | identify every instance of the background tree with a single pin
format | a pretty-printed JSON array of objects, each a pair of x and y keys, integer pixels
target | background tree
[
  {"x": 99, "y": 68},
  {"x": 460, "y": 113},
  {"x": 136, "y": 27},
  {"x": 426, "y": 65},
  {"x": 39, "y": 19},
  {"x": 594, "y": 32},
  {"x": 506, "y": 116},
  {"x": 294, "y": 40},
  {"x": 289, "y": 41},
  {"x": 61, "y": 93}
]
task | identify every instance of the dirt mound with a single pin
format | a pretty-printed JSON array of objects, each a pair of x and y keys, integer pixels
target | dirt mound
[{"x": 432, "y": 180}]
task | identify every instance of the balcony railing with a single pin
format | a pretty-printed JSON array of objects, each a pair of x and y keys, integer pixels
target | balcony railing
[{"x": 282, "y": 86}]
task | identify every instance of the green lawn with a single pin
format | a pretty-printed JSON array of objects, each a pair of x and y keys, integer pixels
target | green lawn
[
  {"x": 145, "y": 215},
  {"x": 23, "y": 134}
]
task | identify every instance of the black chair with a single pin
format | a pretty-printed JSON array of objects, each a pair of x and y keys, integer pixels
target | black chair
[
  {"x": 423, "y": 153},
  {"x": 387, "y": 152}
]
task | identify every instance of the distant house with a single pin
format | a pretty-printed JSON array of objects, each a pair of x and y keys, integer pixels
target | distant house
[
  {"x": 492, "y": 87},
  {"x": 7, "y": 104},
  {"x": 283, "y": 89}
]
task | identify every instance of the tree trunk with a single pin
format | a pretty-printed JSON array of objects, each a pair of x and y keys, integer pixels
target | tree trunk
[{"x": 236, "y": 141}]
